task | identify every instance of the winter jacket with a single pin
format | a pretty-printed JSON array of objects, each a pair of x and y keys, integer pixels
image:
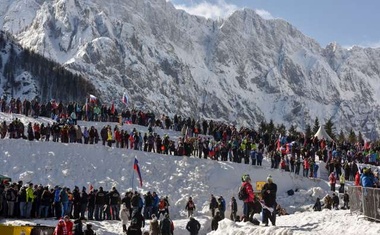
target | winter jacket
[
  {"x": 154, "y": 227},
  {"x": 190, "y": 206},
  {"x": 78, "y": 227},
  {"x": 165, "y": 226},
  {"x": 249, "y": 189},
  {"x": 193, "y": 226},
  {"x": 317, "y": 206},
  {"x": 30, "y": 194},
  {"x": 268, "y": 194},
  {"x": 60, "y": 229},
  {"x": 124, "y": 214},
  {"x": 332, "y": 178},
  {"x": 367, "y": 180},
  {"x": 215, "y": 222},
  {"x": 233, "y": 205}
]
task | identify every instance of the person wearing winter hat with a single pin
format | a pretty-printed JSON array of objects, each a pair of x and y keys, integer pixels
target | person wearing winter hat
[
  {"x": 60, "y": 229},
  {"x": 268, "y": 194},
  {"x": 154, "y": 227},
  {"x": 248, "y": 207},
  {"x": 89, "y": 230},
  {"x": 69, "y": 225}
]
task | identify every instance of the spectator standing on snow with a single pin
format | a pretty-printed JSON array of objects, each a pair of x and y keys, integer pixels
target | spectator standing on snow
[
  {"x": 124, "y": 217},
  {"x": 215, "y": 221},
  {"x": 213, "y": 205},
  {"x": 332, "y": 179},
  {"x": 317, "y": 206},
  {"x": 249, "y": 201},
  {"x": 268, "y": 194},
  {"x": 335, "y": 200},
  {"x": 221, "y": 206},
  {"x": 346, "y": 200},
  {"x": 193, "y": 226},
  {"x": 233, "y": 208},
  {"x": 190, "y": 207},
  {"x": 154, "y": 227}
]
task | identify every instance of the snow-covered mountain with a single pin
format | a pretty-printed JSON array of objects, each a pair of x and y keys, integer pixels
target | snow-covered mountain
[{"x": 242, "y": 68}]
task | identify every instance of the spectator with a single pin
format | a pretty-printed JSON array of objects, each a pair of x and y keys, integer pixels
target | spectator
[
  {"x": 215, "y": 221},
  {"x": 332, "y": 179},
  {"x": 190, "y": 207},
  {"x": 268, "y": 194},
  {"x": 317, "y": 206},
  {"x": 193, "y": 226}
]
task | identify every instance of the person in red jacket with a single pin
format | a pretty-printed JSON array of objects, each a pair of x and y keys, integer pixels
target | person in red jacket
[
  {"x": 249, "y": 201},
  {"x": 69, "y": 225},
  {"x": 332, "y": 179},
  {"x": 357, "y": 179},
  {"x": 60, "y": 229}
]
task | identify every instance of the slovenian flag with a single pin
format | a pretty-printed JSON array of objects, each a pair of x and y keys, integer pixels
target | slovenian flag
[
  {"x": 93, "y": 98},
  {"x": 124, "y": 99},
  {"x": 137, "y": 169}
]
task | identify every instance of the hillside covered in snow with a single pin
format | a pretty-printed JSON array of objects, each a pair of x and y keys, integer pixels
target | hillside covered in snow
[{"x": 243, "y": 68}]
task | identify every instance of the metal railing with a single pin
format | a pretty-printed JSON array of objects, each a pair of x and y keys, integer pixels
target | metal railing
[{"x": 365, "y": 201}]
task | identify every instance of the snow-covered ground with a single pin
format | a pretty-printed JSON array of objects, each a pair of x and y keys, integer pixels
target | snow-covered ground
[{"x": 50, "y": 163}]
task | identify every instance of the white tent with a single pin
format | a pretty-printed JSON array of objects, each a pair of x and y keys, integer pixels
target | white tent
[{"x": 322, "y": 134}]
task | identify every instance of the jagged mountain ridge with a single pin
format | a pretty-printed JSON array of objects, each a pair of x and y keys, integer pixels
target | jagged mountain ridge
[{"x": 243, "y": 68}]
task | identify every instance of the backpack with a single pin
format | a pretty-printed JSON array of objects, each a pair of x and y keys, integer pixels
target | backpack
[
  {"x": 191, "y": 205},
  {"x": 242, "y": 194}
]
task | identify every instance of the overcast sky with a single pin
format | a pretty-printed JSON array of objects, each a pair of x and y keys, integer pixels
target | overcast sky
[{"x": 343, "y": 21}]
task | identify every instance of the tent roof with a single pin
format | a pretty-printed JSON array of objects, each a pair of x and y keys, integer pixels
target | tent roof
[
  {"x": 322, "y": 134},
  {"x": 3, "y": 177}
]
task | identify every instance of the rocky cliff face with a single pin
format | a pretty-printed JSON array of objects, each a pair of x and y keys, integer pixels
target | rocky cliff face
[{"x": 243, "y": 68}]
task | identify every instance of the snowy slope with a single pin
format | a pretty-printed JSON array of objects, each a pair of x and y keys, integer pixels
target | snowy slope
[
  {"x": 243, "y": 68},
  {"x": 53, "y": 164}
]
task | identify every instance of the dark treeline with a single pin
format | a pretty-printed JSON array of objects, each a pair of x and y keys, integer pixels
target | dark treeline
[{"x": 53, "y": 80}]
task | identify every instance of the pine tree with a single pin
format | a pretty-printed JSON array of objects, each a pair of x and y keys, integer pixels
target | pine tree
[
  {"x": 360, "y": 138},
  {"x": 281, "y": 129},
  {"x": 341, "y": 137},
  {"x": 308, "y": 132},
  {"x": 270, "y": 126},
  {"x": 293, "y": 131},
  {"x": 352, "y": 137},
  {"x": 316, "y": 125},
  {"x": 330, "y": 129},
  {"x": 262, "y": 127}
]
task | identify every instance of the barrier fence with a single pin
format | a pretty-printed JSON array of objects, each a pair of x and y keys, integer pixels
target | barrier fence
[{"x": 365, "y": 201}]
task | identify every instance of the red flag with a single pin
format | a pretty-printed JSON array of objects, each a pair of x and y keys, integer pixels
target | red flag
[
  {"x": 113, "y": 108},
  {"x": 91, "y": 187},
  {"x": 137, "y": 169}
]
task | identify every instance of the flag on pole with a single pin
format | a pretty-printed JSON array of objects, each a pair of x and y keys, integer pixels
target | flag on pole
[
  {"x": 113, "y": 108},
  {"x": 124, "y": 99},
  {"x": 93, "y": 98},
  {"x": 86, "y": 106},
  {"x": 137, "y": 169}
]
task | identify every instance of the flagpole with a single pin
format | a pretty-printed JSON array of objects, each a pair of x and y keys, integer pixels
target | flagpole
[{"x": 133, "y": 177}]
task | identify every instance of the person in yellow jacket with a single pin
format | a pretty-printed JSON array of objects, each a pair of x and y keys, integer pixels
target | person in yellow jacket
[
  {"x": 109, "y": 137},
  {"x": 29, "y": 200},
  {"x": 342, "y": 181}
]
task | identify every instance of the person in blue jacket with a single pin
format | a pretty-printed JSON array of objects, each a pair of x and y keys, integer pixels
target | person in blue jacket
[{"x": 367, "y": 179}]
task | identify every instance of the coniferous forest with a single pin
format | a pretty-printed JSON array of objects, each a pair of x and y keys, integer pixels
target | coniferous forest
[{"x": 51, "y": 80}]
